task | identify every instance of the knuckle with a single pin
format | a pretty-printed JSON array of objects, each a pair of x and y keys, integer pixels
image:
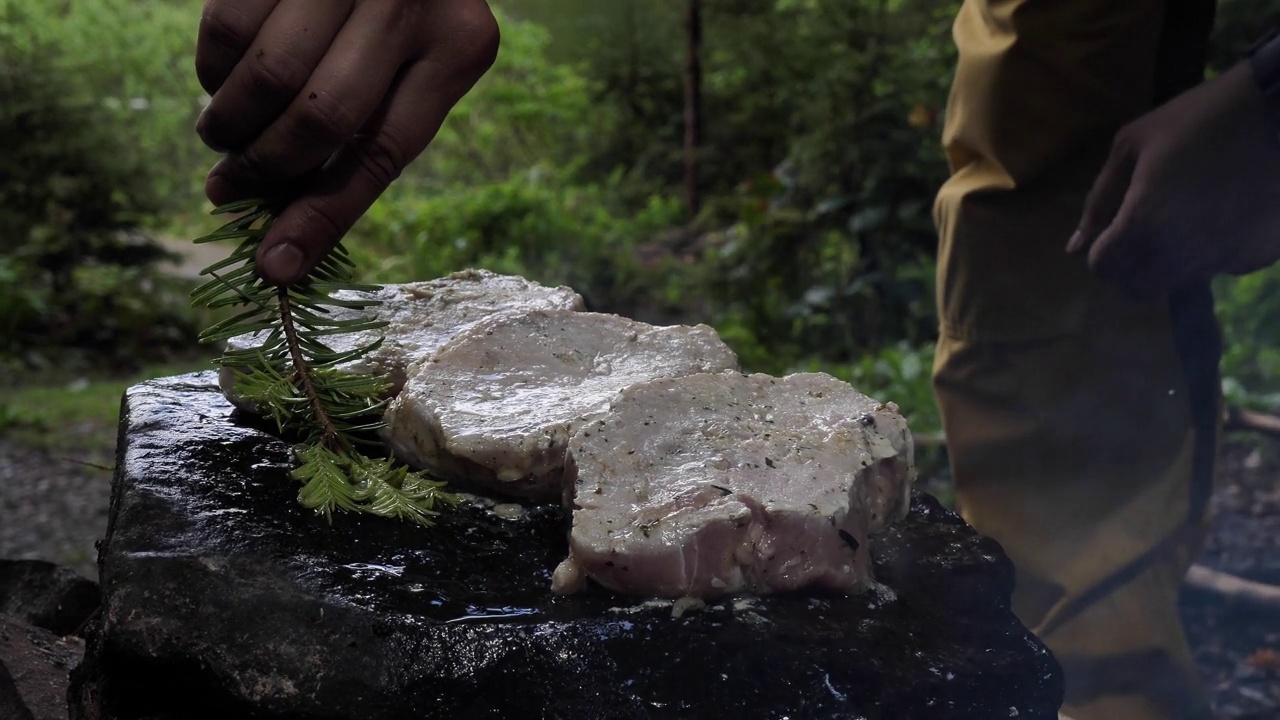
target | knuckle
[
  {"x": 276, "y": 73},
  {"x": 250, "y": 167},
  {"x": 223, "y": 33},
  {"x": 383, "y": 159},
  {"x": 476, "y": 37},
  {"x": 222, "y": 25},
  {"x": 322, "y": 227},
  {"x": 324, "y": 119}
]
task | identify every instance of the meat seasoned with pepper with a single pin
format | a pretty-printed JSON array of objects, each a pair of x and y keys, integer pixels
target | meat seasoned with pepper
[
  {"x": 725, "y": 483},
  {"x": 495, "y": 408}
]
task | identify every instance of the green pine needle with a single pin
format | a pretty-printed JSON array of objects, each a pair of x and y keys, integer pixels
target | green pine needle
[{"x": 291, "y": 374}]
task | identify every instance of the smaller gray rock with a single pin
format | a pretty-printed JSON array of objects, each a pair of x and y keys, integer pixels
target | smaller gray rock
[
  {"x": 35, "y": 667},
  {"x": 46, "y": 595},
  {"x": 495, "y": 407}
]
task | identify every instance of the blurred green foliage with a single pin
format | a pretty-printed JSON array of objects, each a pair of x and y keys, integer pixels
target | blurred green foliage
[
  {"x": 89, "y": 156},
  {"x": 1249, "y": 311},
  {"x": 532, "y": 224},
  {"x": 125, "y": 67},
  {"x": 527, "y": 112}
]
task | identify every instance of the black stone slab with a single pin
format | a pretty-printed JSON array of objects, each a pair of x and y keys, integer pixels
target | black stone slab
[{"x": 224, "y": 598}]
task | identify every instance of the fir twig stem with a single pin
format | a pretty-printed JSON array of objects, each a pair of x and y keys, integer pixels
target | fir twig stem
[{"x": 329, "y": 436}]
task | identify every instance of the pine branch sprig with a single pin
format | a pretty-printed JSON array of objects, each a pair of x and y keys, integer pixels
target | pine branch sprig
[{"x": 292, "y": 373}]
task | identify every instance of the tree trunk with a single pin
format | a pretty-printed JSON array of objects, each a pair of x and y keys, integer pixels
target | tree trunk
[
  {"x": 692, "y": 103},
  {"x": 1237, "y": 418},
  {"x": 1230, "y": 588}
]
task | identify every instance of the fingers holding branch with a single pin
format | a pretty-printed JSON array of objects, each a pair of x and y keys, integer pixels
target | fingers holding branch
[
  {"x": 416, "y": 104},
  {"x": 327, "y": 103},
  {"x": 227, "y": 29}
]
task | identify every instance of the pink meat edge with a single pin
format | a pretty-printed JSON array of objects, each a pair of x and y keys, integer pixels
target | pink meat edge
[{"x": 749, "y": 557}]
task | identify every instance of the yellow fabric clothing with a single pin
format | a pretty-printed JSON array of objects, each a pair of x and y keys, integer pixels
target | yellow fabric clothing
[{"x": 1081, "y": 425}]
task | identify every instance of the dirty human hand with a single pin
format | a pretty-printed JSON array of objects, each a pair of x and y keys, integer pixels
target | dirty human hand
[
  {"x": 1191, "y": 189},
  {"x": 324, "y": 103}
]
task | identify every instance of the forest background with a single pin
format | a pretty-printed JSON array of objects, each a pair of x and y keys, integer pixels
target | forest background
[{"x": 805, "y": 236}]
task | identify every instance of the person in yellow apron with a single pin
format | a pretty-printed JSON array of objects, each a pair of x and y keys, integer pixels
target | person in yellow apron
[{"x": 1081, "y": 409}]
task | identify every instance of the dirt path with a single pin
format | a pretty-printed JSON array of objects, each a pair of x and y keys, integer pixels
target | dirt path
[
  {"x": 194, "y": 257},
  {"x": 53, "y": 507}
]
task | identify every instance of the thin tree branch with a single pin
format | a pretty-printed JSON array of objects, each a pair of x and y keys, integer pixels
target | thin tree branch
[
  {"x": 692, "y": 103},
  {"x": 1233, "y": 589},
  {"x": 329, "y": 437},
  {"x": 1238, "y": 418}
]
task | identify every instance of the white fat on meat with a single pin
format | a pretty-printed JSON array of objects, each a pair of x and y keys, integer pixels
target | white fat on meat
[
  {"x": 421, "y": 317},
  {"x": 725, "y": 483},
  {"x": 496, "y": 407}
]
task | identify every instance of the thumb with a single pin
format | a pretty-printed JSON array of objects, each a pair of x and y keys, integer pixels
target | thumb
[{"x": 1105, "y": 199}]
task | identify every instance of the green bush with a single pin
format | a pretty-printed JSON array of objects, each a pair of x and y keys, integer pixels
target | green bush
[
  {"x": 75, "y": 180},
  {"x": 797, "y": 284},
  {"x": 127, "y": 68},
  {"x": 1249, "y": 311},
  {"x": 532, "y": 224},
  {"x": 21, "y": 305}
]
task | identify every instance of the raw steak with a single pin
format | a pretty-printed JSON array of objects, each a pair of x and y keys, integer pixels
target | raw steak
[
  {"x": 496, "y": 406},
  {"x": 723, "y": 483},
  {"x": 422, "y": 317}
]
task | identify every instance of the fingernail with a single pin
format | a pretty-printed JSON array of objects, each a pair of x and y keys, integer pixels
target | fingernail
[
  {"x": 1076, "y": 242},
  {"x": 282, "y": 265}
]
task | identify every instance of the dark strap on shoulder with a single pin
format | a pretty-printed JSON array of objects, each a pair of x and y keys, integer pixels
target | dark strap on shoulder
[{"x": 1264, "y": 59}]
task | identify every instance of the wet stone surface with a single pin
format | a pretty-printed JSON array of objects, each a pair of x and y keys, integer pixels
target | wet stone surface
[{"x": 224, "y": 598}]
